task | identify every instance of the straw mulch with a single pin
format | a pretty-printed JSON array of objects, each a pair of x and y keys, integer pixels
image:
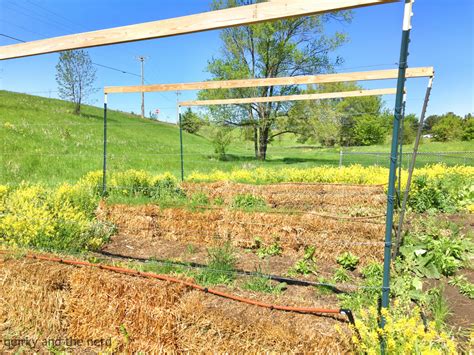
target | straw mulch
[
  {"x": 44, "y": 300},
  {"x": 333, "y": 198},
  {"x": 293, "y": 232}
]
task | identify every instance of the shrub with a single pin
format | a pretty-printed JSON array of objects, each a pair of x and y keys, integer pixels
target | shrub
[
  {"x": 468, "y": 129},
  {"x": 221, "y": 138},
  {"x": 448, "y": 128},
  {"x": 190, "y": 122},
  {"x": 369, "y": 129},
  {"x": 404, "y": 333},
  {"x": 61, "y": 219},
  {"x": 447, "y": 193}
]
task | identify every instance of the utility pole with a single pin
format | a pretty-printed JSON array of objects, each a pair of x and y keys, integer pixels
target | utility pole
[{"x": 142, "y": 60}]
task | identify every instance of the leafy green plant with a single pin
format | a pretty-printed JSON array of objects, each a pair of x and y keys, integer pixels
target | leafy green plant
[
  {"x": 369, "y": 292},
  {"x": 221, "y": 266},
  {"x": 248, "y": 201},
  {"x": 374, "y": 270},
  {"x": 190, "y": 249},
  {"x": 438, "y": 307},
  {"x": 273, "y": 249},
  {"x": 348, "y": 260},
  {"x": 263, "y": 284},
  {"x": 446, "y": 193},
  {"x": 306, "y": 265},
  {"x": 199, "y": 199},
  {"x": 465, "y": 287},
  {"x": 434, "y": 248},
  {"x": 341, "y": 275},
  {"x": 218, "y": 201}
]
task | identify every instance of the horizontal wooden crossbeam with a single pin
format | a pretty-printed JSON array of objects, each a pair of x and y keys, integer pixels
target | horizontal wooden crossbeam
[
  {"x": 293, "y": 80},
  {"x": 212, "y": 20},
  {"x": 327, "y": 95}
]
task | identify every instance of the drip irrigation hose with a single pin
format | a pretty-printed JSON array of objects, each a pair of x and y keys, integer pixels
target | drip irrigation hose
[
  {"x": 287, "y": 280},
  {"x": 303, "y": 310}
]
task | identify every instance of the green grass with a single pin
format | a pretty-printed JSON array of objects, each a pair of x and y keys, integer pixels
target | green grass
[{"x": 42, "y": 141}]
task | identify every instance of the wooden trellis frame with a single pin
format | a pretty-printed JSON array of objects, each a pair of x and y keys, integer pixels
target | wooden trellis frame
[
  {"x": 245, "y": 15},
  {"x": 419, "y": 72},
  {"x": 212, "y": 20},
  {"x": 301, "y": 97}
]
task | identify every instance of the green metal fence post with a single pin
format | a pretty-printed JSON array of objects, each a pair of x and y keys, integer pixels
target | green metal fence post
[
  {"x": 181, "y": 143},
  {"x": 104, "y": 165},
  {"x": 400, "y": 152},
  {"x": 393, "y": 157}
]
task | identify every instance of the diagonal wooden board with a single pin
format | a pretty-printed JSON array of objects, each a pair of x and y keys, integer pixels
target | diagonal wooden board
[
  {"x": 212, "y": 20},
  {"x": 293, "y": 80},
  {"x": 327, "y": 95}
]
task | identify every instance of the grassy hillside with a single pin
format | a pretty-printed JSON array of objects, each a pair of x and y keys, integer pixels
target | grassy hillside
[{"x": 43, "y": 141}]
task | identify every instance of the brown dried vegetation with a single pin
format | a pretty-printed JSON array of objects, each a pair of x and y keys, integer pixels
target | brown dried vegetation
[{"x": 53, "y": 301}]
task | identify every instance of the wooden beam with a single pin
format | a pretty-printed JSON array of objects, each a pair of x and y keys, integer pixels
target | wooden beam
[
  {"x": 327, "y": 95},
  {"x": 237, "y": 16},
  {"x": 294, "y": 80}
]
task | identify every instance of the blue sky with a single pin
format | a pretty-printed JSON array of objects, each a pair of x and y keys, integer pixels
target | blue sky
[{"x": 442, "y": 36}]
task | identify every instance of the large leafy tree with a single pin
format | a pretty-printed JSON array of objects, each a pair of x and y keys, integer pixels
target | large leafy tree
[
  {"x": 75, "y": 75},
  {"x": 297, "y": 46},
  {"x": 348, "y": 121}
]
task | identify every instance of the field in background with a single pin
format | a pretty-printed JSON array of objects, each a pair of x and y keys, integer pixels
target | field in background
[{"x": 42, "y": 141}]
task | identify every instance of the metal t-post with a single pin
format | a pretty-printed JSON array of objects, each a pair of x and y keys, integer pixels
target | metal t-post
[
  {"x": 393, "y": 157},
  {"x": 400, "y": 151},
  {"x": 181, "y": 142},
  {"x": 411, "y": 168},
  {"x": 104, "y": 166}
]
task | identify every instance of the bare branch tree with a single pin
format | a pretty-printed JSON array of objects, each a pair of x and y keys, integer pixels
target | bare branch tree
[{"x": 75, "y": 75}]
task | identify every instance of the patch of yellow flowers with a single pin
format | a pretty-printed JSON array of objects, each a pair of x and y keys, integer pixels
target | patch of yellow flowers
[
  {"x": 32, "y": 215},
  {"x": 403, "y": 333},
  {"x": 64, "y": 217},
  {"x": 354, "y": 174}
]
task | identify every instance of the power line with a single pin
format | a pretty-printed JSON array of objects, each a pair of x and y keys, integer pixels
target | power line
[
  {"x": 11, "y": 37},
  {"x": 57, "y": 15},
  {"x": 116, "y": 69},
  {"x": 97, "y": 64}
]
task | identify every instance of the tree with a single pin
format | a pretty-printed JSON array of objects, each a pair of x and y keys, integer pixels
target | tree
[
  {"x": 290, "y": 47},
  {"x": 339, "y": 121},
  {"x": 221, "y": 137},
  {"x": 315, "y": 121},
  {"x": 75, "y": 76},
  {"x": 468, "y": 128},
  {"x": 448, "y": 128},
  {"x": 191, "y": 122},
  {"x": 429, "y": 122},
  {"x": 410, "y": 126},
  {"x": 356, "y": 113},
  {"x": 369, "y": 130}
]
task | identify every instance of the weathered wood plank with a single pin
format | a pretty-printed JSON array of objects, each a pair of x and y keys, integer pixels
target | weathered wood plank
[
  {"x": 294, "y": 80},
  {"x": 328, "y": 95},
  {"x": 212, "y": 20}
]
